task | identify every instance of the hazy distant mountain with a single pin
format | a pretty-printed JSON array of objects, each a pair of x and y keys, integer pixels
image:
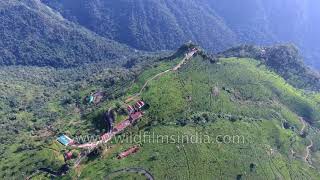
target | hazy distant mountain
[
  {"x": 214, "y": 24},
  {"x": 259, "y": 21}
]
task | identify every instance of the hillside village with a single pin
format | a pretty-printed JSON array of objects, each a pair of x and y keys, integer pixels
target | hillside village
[
  {"x": 125, "y": 117},
  {"x": 79, "y": 152}
]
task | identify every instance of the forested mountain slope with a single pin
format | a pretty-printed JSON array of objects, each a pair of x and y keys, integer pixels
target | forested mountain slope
[
  {"x": 150, "y": 25},
  {"x": 32, "y": 34},
  {"x": 214, "y": 24}
]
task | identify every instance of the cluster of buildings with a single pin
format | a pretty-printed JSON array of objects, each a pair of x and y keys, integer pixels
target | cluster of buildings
[
  {"x": 137, "y": 107},
  {"x": 135, "y": 114}
]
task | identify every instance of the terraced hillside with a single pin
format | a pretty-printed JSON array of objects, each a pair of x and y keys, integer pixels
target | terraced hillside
[
  {"x": 248, "y": 117},
  {"x": 227, "y": 118}
]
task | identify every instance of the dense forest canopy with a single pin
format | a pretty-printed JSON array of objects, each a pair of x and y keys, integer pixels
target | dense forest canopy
[{"x": 214, "y": 24}]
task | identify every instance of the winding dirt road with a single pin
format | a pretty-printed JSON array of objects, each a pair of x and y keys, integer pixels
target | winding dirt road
[
  {"x": 63, "y": 169},
  {"x": 91, "y": 147},
  {"x": 308, "y": 148},
  {"x": 147, "y": 82},
  {"x": 178, "y": 66},
  {"x": 142, "y": 171},
  {"x": 303, "y": 125},
  {"x": 187, "y": 57}
]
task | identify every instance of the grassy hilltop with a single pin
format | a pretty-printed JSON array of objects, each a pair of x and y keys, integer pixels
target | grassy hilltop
[
  {"x": 211, "y": 97},
  {"x": 250, "y": 101}
]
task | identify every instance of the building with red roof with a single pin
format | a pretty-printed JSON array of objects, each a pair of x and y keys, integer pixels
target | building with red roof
[
  {"x": 121, "y": 126},
  {"x": 130, "y": 109},
  {"x": 139, "y": 104},
  {"x": 129, "y": 151},
  {"x": 135, "y": 116},
  {"x": 68, "y": 155}
]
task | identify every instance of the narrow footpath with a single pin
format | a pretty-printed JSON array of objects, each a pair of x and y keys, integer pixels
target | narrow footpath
[
  {"x": 178, "y": 66},
  {"x": 308, "y": 148}
]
